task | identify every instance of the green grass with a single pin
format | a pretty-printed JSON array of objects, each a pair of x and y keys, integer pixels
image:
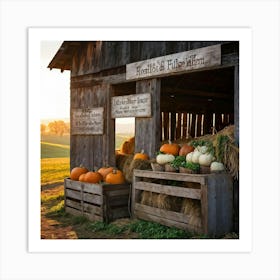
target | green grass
[
  {"x": 55, "y": 139},
  {"x": 50, "y": 150},
  {"x": 54, "y": 169}
]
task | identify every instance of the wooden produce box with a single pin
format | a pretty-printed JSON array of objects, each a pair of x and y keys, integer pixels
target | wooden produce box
[
  {"x": 202, "y": 203},
  {"x": 97, "y": 202}
]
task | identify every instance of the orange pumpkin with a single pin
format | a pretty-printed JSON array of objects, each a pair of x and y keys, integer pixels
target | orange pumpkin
[
  {"x": 76, "y": 172},
  {"x": 104, "y": 171},
  {"x": 115, "y": 177},
  {"x": 186, "y": 149},
  {"x": 170, "y": 148},
  {"x": 82, "y": 177},
  {"x": 141, "y": 155},
  {"x": 93, "y": 177},
  {"x": 128, "y": 146}
]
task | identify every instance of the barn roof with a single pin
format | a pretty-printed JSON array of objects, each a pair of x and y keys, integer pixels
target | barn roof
[
  {"x": 87, "y": 57},
  {"x": 63, "y": 58}
]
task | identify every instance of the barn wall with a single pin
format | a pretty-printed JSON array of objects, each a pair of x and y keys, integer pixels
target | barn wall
[
  {"x": 96, "y": 56},
  {"x": 92, "y": 151}
]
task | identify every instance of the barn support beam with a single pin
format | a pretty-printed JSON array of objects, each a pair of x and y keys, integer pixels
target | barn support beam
[
  {"x": 236, "y": 136},
  {"x": 147, "y": 132}
]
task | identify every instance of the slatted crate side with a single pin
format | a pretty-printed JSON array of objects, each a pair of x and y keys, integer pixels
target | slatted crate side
[
  {"x": 169, "y": 190},
  {"x": 218, "y": 207},
  {"x": 116, "y": 201},
  {"x": 84, "y": 199},
  {"x": 98, "y": 202},
  {"x": 214, "y": 194},
  {"x": 165, "y": 217},
  {"x": 160, "y": 186},
  {"x": 193, "y": 178}
]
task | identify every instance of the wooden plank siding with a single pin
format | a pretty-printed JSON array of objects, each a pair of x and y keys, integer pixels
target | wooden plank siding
[{"x": 96, "y": 56}]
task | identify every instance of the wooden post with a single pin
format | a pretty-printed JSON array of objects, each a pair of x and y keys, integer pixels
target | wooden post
[
  {"x": 236, "y": 138},
  {"x": 109, "y": 136},
  {"x": 147, "y": 130},
  {"x": 236, "y": 104}
]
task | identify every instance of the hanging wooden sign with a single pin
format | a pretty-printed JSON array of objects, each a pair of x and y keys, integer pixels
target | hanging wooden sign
[
  {"x": 173, "y": 63},
  {"x": 134, "y": 105},
  {"x": 87, "y": 121}
]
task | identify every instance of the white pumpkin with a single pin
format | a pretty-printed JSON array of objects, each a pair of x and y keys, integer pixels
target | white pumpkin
[
  {"x": 189, "y": 157},
  {"x": 164, "y": 158},
  {"x": 205, "y": 159},
  {"x": 202, "y": 149},
  {"x": 195, "y": 156},
  {"x": 217, "y": 166}
]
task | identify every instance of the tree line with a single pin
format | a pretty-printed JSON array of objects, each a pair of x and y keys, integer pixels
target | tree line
[{"x": 56, "y": 127}]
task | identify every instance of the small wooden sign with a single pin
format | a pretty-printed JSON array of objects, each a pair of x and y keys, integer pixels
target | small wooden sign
[
  {"x": 173, "y": 63},
  {"x": 87, "y": 121},
  {"x": 135, "y": 105}
]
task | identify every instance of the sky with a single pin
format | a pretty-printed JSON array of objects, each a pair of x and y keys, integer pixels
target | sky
[{"x": 55, "y": 86}]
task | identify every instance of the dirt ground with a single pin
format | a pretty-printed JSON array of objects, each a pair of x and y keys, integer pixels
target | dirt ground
[
  {"x": 51, "y": 228},
  {"x": 60, "y": 227}
]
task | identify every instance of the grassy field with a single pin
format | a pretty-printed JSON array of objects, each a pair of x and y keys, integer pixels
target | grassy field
[
  {"x": 55, "y": 139},
  {"x": 54, "y": 169}
]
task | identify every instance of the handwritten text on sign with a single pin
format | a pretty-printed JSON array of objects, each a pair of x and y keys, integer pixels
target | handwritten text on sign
[
  {"x": 178, "y": 62},
  {"x": 135, "y": 105},
  {"x": 87, "y": 121}
]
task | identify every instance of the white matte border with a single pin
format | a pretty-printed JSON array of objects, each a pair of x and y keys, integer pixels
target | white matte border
[{"x": 244, "y": 36}]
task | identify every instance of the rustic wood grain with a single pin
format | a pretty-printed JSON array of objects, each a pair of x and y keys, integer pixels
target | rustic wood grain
[
  {"x": 169, "y": 190},
  {"x": 215, "y": 195},
  {"x": 147, "y": 132},
  {"x": 195, "y": 178}
]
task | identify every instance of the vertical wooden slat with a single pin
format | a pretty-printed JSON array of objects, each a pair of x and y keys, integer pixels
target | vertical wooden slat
[
  {"x": 199, "y": 119},
  {"x": 184, "y": 125},
  {"x": 147, "y": 132},
  {"x": 173, "y": 126},
  {"x": 192, "y": 131},
  {"x": 178, "y": 126},
  {"x": 236, "y": 137},
  {"x": 204, "y": 208},
  {"x": 166, "y": 125},
  {"x": 161, "y": 127}
]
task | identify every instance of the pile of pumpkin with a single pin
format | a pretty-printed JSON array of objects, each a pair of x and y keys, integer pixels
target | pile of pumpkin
[
  {"x": 109, "y": 175},
  {"x": 196, "y": 158}
]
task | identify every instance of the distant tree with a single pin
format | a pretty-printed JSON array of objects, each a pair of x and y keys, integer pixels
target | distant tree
[
  {"x": 58, "y": 127},
  {"x": 43, "y": 128}
]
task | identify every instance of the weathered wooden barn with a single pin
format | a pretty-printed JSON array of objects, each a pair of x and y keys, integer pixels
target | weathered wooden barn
[
  {"x": 183, "y": 99},
  {"x": 174, "y": 89}
]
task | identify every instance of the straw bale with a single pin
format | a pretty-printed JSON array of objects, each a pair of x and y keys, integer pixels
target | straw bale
[
  {"x": 192, "y": 208},
  {"x": 146, "y": 198},
  {"x": 132, "y": 164}
]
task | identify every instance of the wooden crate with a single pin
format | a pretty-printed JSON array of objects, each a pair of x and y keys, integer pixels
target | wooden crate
[
  {"x": 97, "y": 202},
  {"x": 213, "y": 191}
]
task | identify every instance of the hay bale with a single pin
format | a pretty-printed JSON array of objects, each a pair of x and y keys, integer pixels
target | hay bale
[
  {"x": 192, "y": 208},
  {"x": 163, "y": 201},
  {"x": 121, "y": 159},
  {"x": 132, "y": 164},
  {"x": 146, "y": 198}
]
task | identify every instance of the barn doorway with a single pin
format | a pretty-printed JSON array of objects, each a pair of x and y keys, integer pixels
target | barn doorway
[
  {"x": 124, "y": 126},
  {"x": 197, "y": 103},
  {"x": 124, "y": 131}
]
